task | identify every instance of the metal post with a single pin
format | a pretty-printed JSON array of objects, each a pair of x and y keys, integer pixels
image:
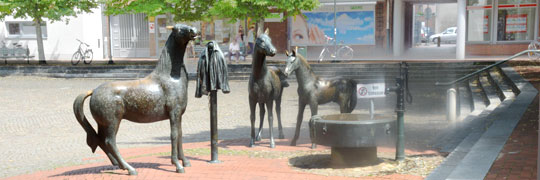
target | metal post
[
  {"x": 335, "y": 32},
  {"x": 371, "y": 108},
  {"x": 213, "y": 127},
  {"x": 400, "y": 91},
  {"x": 388, "y": 26},
  {"x": 109, "y": 48}
]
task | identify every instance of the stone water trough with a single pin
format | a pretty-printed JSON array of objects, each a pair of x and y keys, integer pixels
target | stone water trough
[{"x": 353, "y": 137}]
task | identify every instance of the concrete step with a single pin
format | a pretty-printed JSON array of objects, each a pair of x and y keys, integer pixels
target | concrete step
[
  {"x": 489, "y": 89},
  {"x": 479, "y": 99}
]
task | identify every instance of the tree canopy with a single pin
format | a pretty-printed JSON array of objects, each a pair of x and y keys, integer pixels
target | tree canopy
[
  {"x": 183, "y": 10},
  {"x": 193, "y": 10},
  {"x": 259, "y": 9},
  {"x": 53, "y": 10}
]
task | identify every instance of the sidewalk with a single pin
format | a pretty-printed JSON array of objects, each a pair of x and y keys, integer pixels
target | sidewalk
[{"x": 518, "y": 158}]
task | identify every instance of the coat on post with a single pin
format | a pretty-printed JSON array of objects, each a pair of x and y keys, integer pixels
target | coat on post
[{"x": 212, "y": 72}]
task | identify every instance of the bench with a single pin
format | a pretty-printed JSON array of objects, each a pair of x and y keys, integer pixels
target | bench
[{"x": 17, "y": 53}]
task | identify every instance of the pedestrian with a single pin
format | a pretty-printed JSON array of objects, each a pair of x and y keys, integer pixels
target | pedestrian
[
  {"x": 251, "y": 39},
  {"x": 234, "y": 50}
]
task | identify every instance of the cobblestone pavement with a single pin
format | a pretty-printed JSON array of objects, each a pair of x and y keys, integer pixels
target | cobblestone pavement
[{"x": 40, "y": 132}]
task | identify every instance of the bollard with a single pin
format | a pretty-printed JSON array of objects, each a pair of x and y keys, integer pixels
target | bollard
[
  {"x": 451, "y": 101},
  {"x": 439, "y": 41}
]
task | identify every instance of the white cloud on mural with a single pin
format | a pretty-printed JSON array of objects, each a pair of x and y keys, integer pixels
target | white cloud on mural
[
  {"x": 346, "y": 23},
  {"x": 370, "y": 38}
]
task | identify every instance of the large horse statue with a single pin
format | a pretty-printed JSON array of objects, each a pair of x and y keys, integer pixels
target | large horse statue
[
  {"x": 160, "y": 95},
  {"x": 265, "y": 86},
  {"x": 313, "y": 90}
]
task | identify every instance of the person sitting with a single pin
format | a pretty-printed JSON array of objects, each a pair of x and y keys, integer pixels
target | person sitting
[{"x": 234, "y": 50}]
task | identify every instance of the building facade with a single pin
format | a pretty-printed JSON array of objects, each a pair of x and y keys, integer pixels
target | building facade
[{"x": 372, "y": 28}]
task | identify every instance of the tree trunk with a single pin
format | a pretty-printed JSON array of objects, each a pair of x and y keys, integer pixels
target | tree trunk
[{"x": 39, "y": 37}]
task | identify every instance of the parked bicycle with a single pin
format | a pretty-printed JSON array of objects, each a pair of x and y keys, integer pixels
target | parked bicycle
[
  {"x": 85, "y": 55},
  {"x": 343, "y": 52},
  {"x": 535, "y": 45}
]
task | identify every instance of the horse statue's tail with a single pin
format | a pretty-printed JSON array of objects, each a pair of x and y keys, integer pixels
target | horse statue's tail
[
  {"x": 92, "y": 139},
  {"x": 351, "y": 84},
  {"x": 347, "y": 87},
  {"x": 282, "y": 78}
]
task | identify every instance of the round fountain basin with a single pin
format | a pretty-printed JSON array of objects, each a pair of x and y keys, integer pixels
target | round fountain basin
[{"x": 353, "y": 137}]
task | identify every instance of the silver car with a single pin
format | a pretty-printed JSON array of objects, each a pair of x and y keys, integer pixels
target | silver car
[{"x": 447, "y": 36}]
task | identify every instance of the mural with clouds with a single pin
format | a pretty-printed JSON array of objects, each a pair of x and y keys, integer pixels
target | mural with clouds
[{"x": 356, "y": 27}]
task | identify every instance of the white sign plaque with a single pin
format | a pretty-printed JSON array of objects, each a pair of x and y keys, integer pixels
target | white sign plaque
[{"x": 373, "y": 90}]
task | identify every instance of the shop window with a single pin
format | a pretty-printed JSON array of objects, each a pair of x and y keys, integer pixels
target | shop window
[
  {"x": 479, "y": 2},
  {"x": 479, "y": 20},
  {"x": 516, "y": 20},
  {"x": 24, "y": 29}
]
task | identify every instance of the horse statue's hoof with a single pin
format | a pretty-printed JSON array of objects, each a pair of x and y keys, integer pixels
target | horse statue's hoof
[
  {"x": 251, "y": 143},
  {"x": 132, "y": 172},
  {"x": 281, "y": 136},
  {"x": 293, "y": 143},
  {"x": 180, "y": 170},
  {"x": 272, "y": 145},
  {"x": 186, "y": 164},
  {"x": 313, "y": 146}
]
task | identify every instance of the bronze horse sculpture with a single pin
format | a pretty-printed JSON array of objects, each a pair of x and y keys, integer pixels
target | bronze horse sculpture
[
  {"x": 313, "y": 90},
  {"x": 265, "y": 86},
  {"x": 160, "y": 95}
]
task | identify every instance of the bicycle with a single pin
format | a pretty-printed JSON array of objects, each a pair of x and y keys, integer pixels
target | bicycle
[
  {"x": 86, "y": 56},
  {"x": 535, "y": 45},
  {"x": 344, "y": 52}
]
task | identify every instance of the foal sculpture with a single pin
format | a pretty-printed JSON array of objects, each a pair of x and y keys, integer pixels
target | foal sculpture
[
  {"x": 265, "y": 86},
  {"x": 313, "y": 90},
  {"x": 160, "y": 95}
]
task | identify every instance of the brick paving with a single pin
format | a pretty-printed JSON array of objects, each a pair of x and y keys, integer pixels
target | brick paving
[
  {"x": 518, "y": 158},
  {"x": 151, "y": 163}
]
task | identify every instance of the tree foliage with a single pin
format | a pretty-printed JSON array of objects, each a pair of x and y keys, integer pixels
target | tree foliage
[
  {"x": 259, "y": 9},
  {"x": 183, "y": 10},
  {"x": 53, "y": 10},
  {"x": 193, "y": 10}
]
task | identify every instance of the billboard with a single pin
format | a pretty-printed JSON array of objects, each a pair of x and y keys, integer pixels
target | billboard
[{"x": 355, "y": 26}]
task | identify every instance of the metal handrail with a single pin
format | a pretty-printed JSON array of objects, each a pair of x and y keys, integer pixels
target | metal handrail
[{"x": 485, "y": 68}]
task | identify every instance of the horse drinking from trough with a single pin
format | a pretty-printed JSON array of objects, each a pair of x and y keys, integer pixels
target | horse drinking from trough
[
  {"x": 265, "y": 86},
  {"x": 160, "y": 95},
  {"x": 313, "y": 90}
]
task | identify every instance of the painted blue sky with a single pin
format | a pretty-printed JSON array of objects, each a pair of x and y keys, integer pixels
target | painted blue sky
[{"x": 356, "y": 27}]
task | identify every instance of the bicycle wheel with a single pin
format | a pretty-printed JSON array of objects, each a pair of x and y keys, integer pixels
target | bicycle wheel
[
  {"x": 534, "y": 55},
  {"x": 345, "y": 53},
  {"x": 88, "y": 56},
  {"x": 76, "y": 58}
]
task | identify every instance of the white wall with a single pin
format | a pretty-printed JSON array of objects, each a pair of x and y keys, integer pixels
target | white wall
[
  {"x": 60, "y": 43},
  {"x": 446, "y": 16}
]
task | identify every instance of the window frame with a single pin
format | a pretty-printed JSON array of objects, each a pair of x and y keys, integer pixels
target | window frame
[
  {"x": 496, "y": 16},
  {"x": 494, "y": 23},
  {"x": 493, "y": 9},
  {"x": 22, "y": 35}
]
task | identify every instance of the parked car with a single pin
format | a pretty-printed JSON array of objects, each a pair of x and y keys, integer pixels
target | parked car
[{"x": 447, "y": 36}]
